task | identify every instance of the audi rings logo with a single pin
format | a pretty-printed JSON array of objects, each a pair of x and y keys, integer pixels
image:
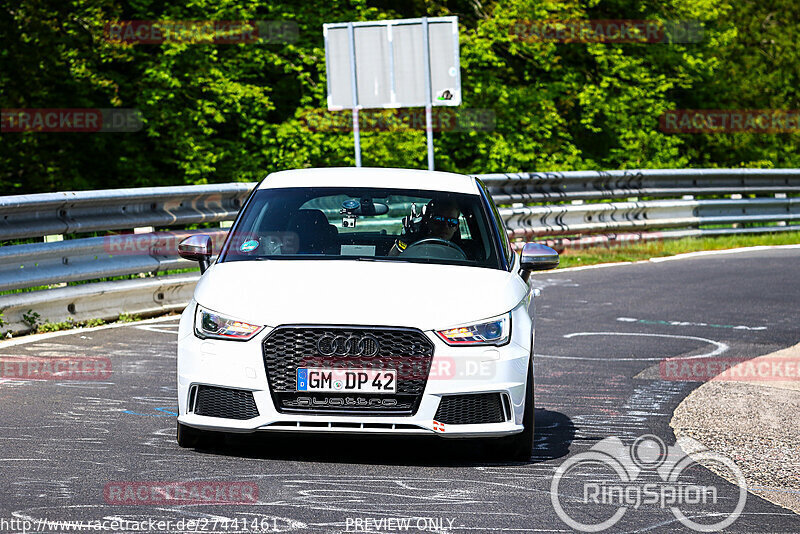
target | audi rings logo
[{"x": 347, "y": 345}]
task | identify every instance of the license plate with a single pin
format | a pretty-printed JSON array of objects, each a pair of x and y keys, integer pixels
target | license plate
[{"x": 335, "y": 380}]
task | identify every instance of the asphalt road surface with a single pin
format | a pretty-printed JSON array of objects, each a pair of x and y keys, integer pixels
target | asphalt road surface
[{"x": 600, "y": 336}]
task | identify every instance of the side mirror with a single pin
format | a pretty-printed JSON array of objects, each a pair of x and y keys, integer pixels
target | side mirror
[
  {"x": 196, "y": 248},
  {"x": 537, "y": 257}
]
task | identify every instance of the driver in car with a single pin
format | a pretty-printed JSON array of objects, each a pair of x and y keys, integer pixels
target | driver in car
[{"x": 440, "y": 221}]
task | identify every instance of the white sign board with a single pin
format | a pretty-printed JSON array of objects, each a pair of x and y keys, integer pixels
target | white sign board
[{"x": 390, "y": 58}]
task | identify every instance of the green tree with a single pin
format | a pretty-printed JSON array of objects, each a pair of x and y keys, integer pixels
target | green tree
[{"x": 234, "y": 112}]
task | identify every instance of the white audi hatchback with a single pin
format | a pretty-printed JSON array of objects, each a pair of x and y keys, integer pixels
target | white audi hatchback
[{"x": 362, "y": 301}]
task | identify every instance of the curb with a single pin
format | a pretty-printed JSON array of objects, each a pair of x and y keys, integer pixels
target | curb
[{"x": 753, "y": 422}]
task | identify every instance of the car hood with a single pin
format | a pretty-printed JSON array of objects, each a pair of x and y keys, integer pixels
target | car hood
[{"x": 425, "y": 296}]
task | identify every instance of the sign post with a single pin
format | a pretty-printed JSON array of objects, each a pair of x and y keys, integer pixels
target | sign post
[
  {"x": 354, "y": 84},
  {"x": 428, "y": 103},
  {"x": 393, "y": 64}
]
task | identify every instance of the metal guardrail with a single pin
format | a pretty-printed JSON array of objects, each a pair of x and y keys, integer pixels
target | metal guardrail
[
  {"x": 37, "y": 264},
  {"x": 598, "y": 185},
  {"x": 529, "y": 222},
  {"x": 564, "y": 217},
  {"x": 116, "y": 209},
  {"x": 101, "y": 300}
]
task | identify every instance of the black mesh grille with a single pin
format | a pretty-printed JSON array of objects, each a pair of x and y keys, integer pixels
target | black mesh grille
[
  {"x": 405, "y": 350},
  {"x": 227, "y": 403},
  {"x": 470, "y": 409}
]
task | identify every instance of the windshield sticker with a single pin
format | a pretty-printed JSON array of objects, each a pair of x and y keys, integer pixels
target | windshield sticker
[{"x": 249, "y": 246}]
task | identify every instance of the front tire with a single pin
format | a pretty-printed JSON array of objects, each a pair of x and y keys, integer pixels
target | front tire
[{"x": 519, "y": 447}]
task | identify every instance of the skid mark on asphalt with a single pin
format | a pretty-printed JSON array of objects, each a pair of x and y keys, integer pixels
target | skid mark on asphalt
[
  {"x": 542, "y": 283},
  {"x": 612, "y": 405},
  {"x": 58, "y": 490},
  {"x": 654, "y": 399},
  {"x": 454, "y": 497},
  {"x": 315, "y": 497},
  {"x": 637, "y": 413}
]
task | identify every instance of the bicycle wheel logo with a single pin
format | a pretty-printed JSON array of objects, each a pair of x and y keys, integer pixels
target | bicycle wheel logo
[{"x": 619, "y": 477}]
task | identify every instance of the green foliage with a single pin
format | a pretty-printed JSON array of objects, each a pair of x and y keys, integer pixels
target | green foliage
[
  {"x": 128, "y": 318},
  {"x": 54, "y": 327},
  {"x": 31, "y": 318},
  {"x": 234, "y": 112}
]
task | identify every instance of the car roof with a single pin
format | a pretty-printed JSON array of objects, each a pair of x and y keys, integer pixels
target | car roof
[{"x": 372, "y": 177}]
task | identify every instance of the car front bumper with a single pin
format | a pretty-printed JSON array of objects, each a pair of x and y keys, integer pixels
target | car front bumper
[{"x": 454, "y": 371}]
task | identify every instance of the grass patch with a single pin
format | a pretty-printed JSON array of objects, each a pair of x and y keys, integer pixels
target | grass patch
[
  {"x": 128, "y": 318},
  {"x": 38, "y": 326},
  {"x": 34, "y": 321},
  {"x": 655, "y": 249}
]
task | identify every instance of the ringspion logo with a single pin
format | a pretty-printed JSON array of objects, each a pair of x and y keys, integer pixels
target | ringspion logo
[{"x": 616, "y": 478}]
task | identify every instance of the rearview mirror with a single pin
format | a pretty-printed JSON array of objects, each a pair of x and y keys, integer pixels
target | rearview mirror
[
  {"x": 364, "y": 207},
  {"x": 537, "y": 257},
  {"x": 196, "y": 248}
]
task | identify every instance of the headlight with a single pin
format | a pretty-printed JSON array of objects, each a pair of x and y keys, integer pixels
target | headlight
[
  {"x": 213, "y": 325},
  {"x": 495, "y": 331}
]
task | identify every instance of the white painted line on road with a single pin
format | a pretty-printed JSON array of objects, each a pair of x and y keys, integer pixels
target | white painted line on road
[
  {"x": 151, "y": 328},
  {"x": 720, "y": 252},
  {"x": 721, "y": 347},
  {"x": 32, "y": 338},
  {"x": 587, "y": 267},
  {"x": 688, "y": 323},
  {"x": 687, "y": 255}
]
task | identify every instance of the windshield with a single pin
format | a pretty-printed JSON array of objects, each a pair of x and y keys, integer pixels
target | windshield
[{"x": 363, "y": 224}]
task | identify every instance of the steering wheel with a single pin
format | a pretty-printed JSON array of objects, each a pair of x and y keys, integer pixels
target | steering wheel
[{"x": 437, "y": 241}]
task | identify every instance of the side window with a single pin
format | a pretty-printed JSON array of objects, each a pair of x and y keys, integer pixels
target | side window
[
  {"x": 463, "y": 227},
  {"x": 501, "y": 227}
]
